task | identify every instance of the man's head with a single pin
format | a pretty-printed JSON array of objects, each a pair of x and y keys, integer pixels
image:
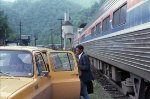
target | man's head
[
  {"x": 17, "y": 62},
  {"x": 79, "y": 49}
]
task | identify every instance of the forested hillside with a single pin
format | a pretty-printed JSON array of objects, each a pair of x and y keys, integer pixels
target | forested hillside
[
  {"x": 38, "y": 16},
  {"x": 85, "y": 15},
  {"x": 85, "y": 3},
  {"x": 5, "y": 30}
]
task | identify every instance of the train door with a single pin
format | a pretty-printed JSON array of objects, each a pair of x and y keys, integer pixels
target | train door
[{"x": 64, "y": 75}]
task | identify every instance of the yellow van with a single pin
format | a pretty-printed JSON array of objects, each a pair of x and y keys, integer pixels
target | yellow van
[{"x": 33, "y": 73}]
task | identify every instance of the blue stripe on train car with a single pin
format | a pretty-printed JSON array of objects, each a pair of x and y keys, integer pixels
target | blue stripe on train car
[
  {"x": 148, "y": 10},
  {"x": 144, "y": 10}
]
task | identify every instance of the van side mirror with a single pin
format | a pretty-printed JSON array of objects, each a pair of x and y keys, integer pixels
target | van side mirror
[{"x": 44, "y": 73}]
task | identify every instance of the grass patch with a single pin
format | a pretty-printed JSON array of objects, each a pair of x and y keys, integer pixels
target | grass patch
[{"x": 99, "y": 92}]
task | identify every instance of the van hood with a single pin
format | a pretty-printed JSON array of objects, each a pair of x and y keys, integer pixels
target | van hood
[{"x": 9, "y": 85}]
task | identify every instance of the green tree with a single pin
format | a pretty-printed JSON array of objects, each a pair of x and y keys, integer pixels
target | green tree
[
  {"x": 85, "y": 15},
  {"x": 3, "y": 25},
  {"x": 5, "y": 31}
]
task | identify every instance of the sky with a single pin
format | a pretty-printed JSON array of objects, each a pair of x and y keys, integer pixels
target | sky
[
  {"x": 9, "y": 0},
  {"x": 83, "y": 3}
]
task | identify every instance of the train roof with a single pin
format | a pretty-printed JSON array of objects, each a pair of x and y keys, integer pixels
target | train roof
[{"x": 105, "y": 6}]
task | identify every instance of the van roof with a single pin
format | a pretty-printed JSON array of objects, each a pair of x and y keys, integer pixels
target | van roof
[{"x": 27, "y": 48}]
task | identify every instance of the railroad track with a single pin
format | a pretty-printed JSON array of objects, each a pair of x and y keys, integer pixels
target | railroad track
[{"x": 107, "y": 85}]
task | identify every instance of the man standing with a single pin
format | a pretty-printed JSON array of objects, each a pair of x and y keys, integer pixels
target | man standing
[{"x": 84, "y": 70}]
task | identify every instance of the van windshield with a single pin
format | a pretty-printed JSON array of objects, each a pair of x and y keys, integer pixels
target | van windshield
[{"x": 16, "y": 63}]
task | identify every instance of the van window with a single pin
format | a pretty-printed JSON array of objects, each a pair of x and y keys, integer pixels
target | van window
[
  {"x": 39, "y": 63},
  {"x": 16, "y": 63},
  {"x": 62, "y": 62}
]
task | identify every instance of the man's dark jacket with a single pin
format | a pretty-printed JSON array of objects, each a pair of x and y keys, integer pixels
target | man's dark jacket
[{"x": 84, "y": 67}]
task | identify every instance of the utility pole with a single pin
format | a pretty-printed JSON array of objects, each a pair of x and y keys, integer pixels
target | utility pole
[
  {"x": 51, "y": 38},
  {"x": 61, "y": 33},
  {"x": 35, "y": 38},
  {"x": 5, "y": 37},
  {"x": 34, "y": 41},
  {"x": 1, "y": 39},
  {"x": 20, "y": 25}
]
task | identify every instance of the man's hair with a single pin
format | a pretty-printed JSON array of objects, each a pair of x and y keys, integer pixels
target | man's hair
[{"x": 80, "y": 47}]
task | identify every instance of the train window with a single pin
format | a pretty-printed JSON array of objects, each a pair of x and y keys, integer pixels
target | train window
[
  {"x": 105, "y": 25},
  {"x": 83, "y": 37},
  {"x": 116, "y": 18},
  {"x": 98, "y": 28},
  {"x": 62, "y": 62},
  {"x": 119, "y": 16},
  {"x": 123, "y": 14},
  {"x": 93, "y": 31}
]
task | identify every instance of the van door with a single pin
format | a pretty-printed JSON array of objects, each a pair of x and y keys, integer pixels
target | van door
[
  {"x": 64, "y": 75},
  {"x": 43, "y": 83}
]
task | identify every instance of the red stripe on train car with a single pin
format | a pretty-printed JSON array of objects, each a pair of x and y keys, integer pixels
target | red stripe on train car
[
  {"x": 132, "y": 3},
  {"x": 111, "y": 15},
  {"x": 88, "y": 31}
]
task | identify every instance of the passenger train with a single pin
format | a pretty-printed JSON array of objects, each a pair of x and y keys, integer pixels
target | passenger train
[{"x": 118, "y": 43}]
